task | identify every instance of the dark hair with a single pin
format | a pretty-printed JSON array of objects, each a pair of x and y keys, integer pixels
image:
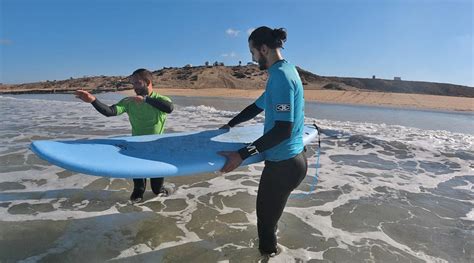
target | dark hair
[
  {"x": 273, "y": 38},
  {"x": 143, "y": 74}
]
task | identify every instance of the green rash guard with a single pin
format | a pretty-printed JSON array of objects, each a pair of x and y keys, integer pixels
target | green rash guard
[{"x": 144, "y": 118}]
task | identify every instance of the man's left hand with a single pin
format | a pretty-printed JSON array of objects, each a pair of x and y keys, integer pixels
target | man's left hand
[
  {"x": 233, "y": 161},
  {"x": 225, "y": 127}
]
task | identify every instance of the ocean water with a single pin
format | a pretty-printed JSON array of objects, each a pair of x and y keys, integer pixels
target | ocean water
[{"x": 394, "y": 186}]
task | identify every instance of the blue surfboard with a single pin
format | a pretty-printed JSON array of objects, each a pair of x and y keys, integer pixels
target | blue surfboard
[{"x": 148, "y": 156}]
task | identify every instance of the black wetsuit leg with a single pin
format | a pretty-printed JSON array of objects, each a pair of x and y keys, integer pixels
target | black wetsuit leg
[
  {"x": 276, "y": 183},
  {"x": 139, "y": 184},
  {"x": 156, "y": 185}
]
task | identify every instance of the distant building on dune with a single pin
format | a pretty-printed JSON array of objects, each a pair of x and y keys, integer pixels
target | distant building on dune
[{"x": 397, "y": 78}]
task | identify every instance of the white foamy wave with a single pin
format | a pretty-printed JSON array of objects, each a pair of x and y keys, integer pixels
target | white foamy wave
[{"x": 208, "y": 109}]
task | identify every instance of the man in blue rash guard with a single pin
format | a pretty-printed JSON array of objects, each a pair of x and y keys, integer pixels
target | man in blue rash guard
[{"x": 282, "y": 142}]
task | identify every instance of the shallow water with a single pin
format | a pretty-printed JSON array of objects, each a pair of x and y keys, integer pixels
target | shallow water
[{"x": 386, "y": 193}]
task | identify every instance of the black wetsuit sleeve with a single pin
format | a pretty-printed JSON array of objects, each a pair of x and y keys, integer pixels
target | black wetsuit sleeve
[
  {"x": 104, "y": 109},
  {"x": 280, "y": 132},
  {"x": 162, "y": 105},
  {"x": 246, "y": 114}
]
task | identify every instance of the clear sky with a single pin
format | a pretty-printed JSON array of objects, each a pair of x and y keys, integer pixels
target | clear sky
[{"x": 425, "y": 40}]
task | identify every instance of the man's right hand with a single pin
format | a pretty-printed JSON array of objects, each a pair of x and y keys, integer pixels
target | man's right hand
[{"x": 84, "y": 96}]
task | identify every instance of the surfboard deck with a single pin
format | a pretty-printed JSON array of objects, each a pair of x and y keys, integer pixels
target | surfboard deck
[{"x": 149, "y": 156}]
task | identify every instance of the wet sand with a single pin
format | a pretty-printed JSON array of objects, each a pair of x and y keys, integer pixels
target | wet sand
[{"x": 401, "y": 100}]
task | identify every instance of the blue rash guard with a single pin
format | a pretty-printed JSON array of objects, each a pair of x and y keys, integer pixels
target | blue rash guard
[{"x": 283, "y": 100}]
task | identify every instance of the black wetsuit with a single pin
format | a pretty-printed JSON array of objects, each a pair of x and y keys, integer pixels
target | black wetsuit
[
  {"x": 278, "y": 179},
  {"x": 276, "y": 183}
]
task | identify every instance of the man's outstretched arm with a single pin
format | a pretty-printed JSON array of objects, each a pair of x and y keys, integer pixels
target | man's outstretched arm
[
  {"x": 98, "y": 105},
  {"x": 104, "y": 109},
  {"x": 246, "y": 114}
]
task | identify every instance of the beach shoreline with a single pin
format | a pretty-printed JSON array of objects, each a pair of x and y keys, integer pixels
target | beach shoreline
[{"x": 365, "y": 98}]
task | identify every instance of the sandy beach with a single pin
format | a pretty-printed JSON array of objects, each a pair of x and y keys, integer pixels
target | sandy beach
[{"x": 402, "y": 100}]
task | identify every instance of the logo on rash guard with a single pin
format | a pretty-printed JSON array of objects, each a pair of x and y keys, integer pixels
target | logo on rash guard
[{"x": 283, "y": 107}]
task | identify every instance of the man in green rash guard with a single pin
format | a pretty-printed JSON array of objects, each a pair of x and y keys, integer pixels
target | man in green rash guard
[{"x": 147, "y": 112}]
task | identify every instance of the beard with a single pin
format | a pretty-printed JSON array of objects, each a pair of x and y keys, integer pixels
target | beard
[
  {"x": 262, "y": 62},
  {"x": 141, "y": 91}
]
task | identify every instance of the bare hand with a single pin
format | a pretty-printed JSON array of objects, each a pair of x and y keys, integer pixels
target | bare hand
[
  {"x": 84, "y": 96},
  {"x": 225, "y": 127},
  {"x": 233, "y": 161},
  {"x": 137, "y": 99}
]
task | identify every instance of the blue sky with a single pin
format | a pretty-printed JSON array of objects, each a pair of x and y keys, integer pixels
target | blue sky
[{"x": 425, "y": 40}]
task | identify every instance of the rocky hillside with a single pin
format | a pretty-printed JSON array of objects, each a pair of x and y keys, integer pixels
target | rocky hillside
[
  {"x": 237, "y": 77},
  {"x": 95, "y": 84},
  {"x": 398, "y": 86}
]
